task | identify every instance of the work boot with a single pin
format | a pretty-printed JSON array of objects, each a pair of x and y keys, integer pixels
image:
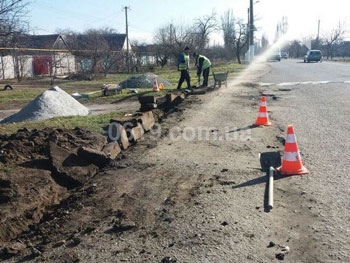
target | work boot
[{"x": 189, "y": 90}]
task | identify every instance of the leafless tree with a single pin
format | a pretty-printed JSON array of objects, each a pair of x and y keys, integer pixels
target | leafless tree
[
  {"x": 264, "y": 43},
  {"x": 12, "y": 21},
  {"x": 165, "y": 39},
  {"x": 333, "y": 38},
  {"x": 12, "y": 25},
  {"x": 170, "y": 40},
  {"x": 235, "y": 34},
  {"x": 95, "y": 47},
  {"x": 203, "y": 27},
  {"x": 281, "y": 28},
  {"x": 94, "y": 50},
  {"x": 228, "y": 28},
  {"x": 296, "y": 49},
  {"x": 20, "y": 67},
  {"x": 241, "y": 39}
]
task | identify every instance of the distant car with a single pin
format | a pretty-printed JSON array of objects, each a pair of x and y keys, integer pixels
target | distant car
[
  {"x": 313, "y": 55},
  {"x": 275, "y": 55},
  {"x": 284, "y": 55}
]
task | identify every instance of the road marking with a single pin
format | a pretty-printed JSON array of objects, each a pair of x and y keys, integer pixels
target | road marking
[
  {"x": 266, "y": 84},
  {"x": 288, "y": 84}
]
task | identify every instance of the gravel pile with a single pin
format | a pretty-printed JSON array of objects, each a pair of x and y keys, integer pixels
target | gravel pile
[
  {"x": 53, "y": 102},
  {"x": 142, "y": 81}
]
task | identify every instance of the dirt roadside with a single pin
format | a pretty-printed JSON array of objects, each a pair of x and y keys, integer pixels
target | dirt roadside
[{"x": 192, "y": 190}]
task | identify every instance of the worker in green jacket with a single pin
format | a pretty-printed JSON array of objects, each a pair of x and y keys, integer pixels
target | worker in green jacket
[
  {"x": 203, "y": 65},
  {"x": 183, "y": 66}
]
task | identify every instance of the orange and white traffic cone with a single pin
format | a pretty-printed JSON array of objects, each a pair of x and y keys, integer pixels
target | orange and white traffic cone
[
  {"x": 291, "y": 163},
  {"x": 263, "y": 116},
  {"x": 155, "y": 84}
]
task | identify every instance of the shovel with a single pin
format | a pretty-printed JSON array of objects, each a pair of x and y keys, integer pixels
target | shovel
[{"x": 269, "y": 160}]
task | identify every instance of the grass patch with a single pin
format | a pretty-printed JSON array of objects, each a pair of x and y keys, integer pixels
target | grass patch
[
  {"x": 20, "y": 94},
  {"x": 27, "y": 90},
  {"x": 95, "y": 123}
]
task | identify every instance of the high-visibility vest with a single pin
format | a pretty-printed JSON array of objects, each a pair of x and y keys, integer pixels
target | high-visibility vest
[
  {"x": 184, "y": 61},
  {"x": 206, "y": 62}
]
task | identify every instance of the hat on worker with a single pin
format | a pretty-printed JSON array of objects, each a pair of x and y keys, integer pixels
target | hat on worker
[{"x": 186, "y": 48}]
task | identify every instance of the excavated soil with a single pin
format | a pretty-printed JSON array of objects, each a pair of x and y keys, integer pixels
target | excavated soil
[
  {"x": 193, "y": 189},
  {"x": 44, "y": 181}
]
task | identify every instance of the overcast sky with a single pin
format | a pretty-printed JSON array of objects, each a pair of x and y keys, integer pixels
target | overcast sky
[{"x": 146, "y": 16}]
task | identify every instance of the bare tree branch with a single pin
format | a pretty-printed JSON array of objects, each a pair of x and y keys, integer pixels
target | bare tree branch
[
  {"x": 333, "y": 38},
  {"x": 228, "y": 28},
  {"x": 204, "y": 27},
  {"x": 12, "y": 23}
]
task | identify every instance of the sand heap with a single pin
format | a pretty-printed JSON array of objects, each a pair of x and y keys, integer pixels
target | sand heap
[{"x": 53, "y": 102}]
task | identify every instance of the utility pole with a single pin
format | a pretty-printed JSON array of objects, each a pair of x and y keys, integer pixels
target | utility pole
[
  {"x": 316, "y": 44},
  {"x": 171, "y": 33},
  {"x": 251, "y": 32},
  {"x": 248, "y": 31},
  {"x": 127, "y": 39}
]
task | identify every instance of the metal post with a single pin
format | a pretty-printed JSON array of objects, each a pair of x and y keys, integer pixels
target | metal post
[
  {"x": 271, "y": 172},
  {"x": 127, "y": 39},
  {"x": 248, "y": 33},
  {"x": 251, "y": 32}
]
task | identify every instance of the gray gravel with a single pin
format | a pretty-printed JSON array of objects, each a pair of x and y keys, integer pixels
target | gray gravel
[
  {"x": 54, "y": 102},
  {"x": 143, "y": 81}
]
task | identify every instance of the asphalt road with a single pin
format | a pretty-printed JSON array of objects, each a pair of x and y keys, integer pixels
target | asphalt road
[
  {"x": 314, "y": 98},
  {"x": 293, "y": 71}
]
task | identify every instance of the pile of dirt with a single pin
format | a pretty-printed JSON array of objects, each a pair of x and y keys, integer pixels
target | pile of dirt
[
  {"x": 143, "y": 81},
  {"x": 50, "y": 196},
  {"x": 44, "y": 171},
  {"x": 54, "y": 102},
  {"x": 37, "y": 170}
]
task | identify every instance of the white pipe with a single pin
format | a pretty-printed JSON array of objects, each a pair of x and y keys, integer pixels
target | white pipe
[{"x": 271, "y": 187}]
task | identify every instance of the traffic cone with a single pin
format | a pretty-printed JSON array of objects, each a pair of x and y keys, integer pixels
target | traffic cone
[
  {"x": 155, "y": 84},
  {"x": 291, "y": 163},
  {"x": 263, "y": 116}
]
